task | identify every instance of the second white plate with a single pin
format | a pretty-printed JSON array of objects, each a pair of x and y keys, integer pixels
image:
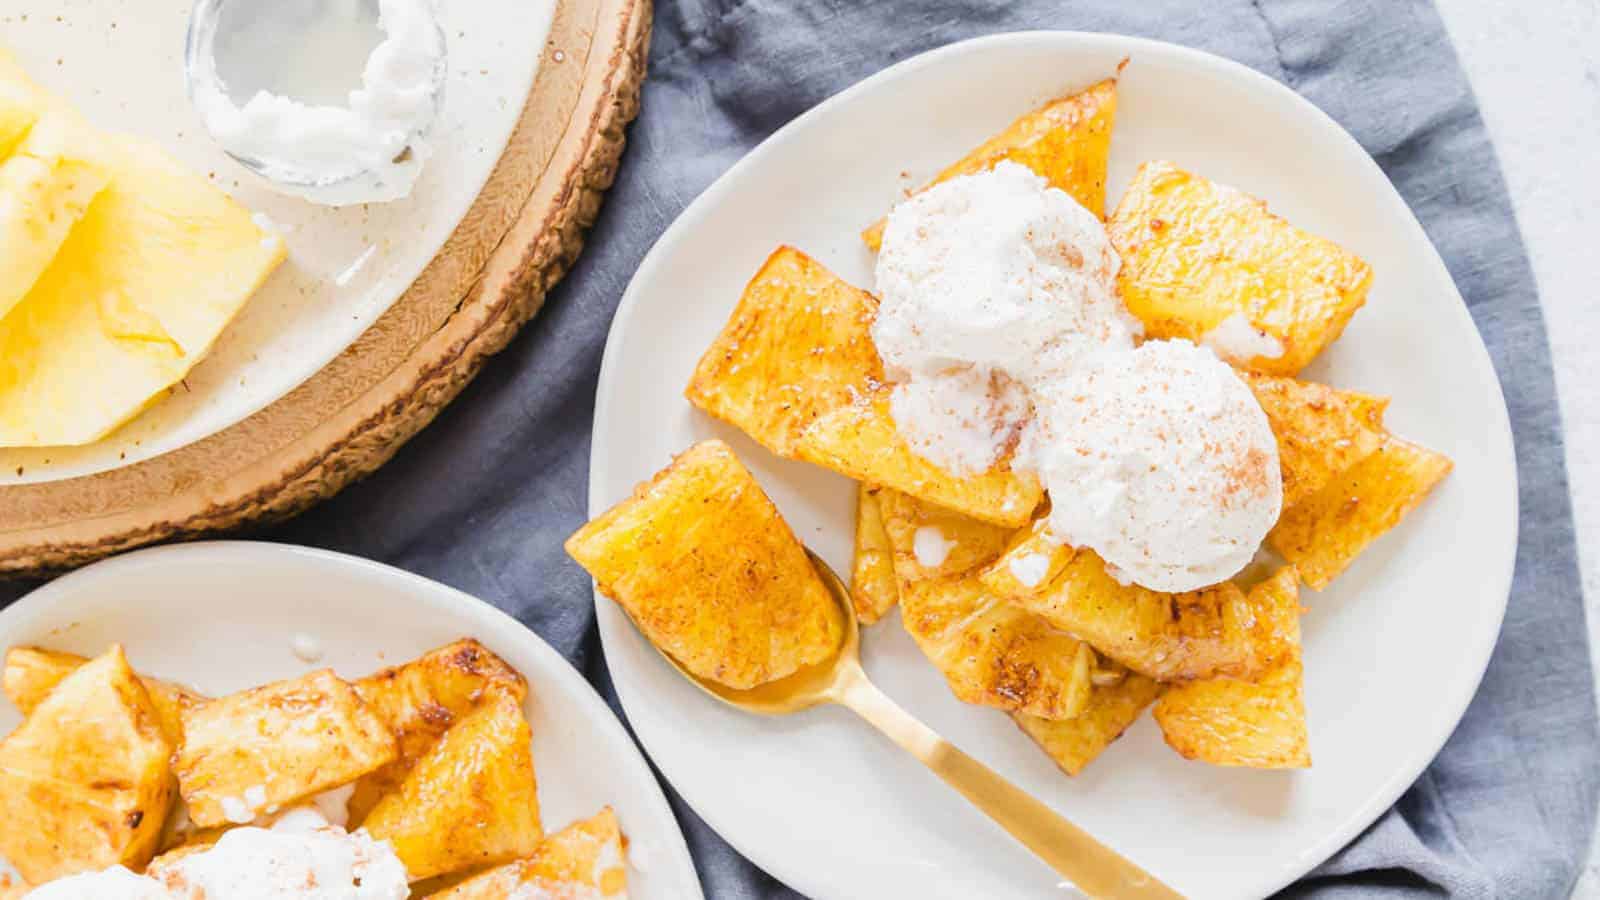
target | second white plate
[
  {"x": 225, "y": 616},
  {"x": 1394, "y": 650}
]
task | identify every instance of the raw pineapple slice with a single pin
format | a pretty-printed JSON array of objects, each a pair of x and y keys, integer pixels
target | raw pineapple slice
[
  {"x": 1068, "y": 141},
  {"x": 135, "y": 296},
  {"x": 1196, "y": 254},
  {"x": 41, "y": 198},
  {"x": 18, "y": 112}
]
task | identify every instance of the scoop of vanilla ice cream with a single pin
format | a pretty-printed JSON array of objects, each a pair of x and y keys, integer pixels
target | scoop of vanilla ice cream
[
  {"x": 302, "y": 856},
  {"x": 963, "y": 419},
  {"x": 1161, "y": 461},
  {"x": 115, "y": 883},
  {"x": 996, "y": 270},
  {"x": 989, "y": 275}
]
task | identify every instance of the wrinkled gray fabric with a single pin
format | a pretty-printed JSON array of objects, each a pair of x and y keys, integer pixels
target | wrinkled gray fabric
[{"x": 484, "y": 497}]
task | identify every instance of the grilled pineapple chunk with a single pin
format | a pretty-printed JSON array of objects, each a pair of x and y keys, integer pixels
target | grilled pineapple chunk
[
  {"x": 1260, "y": 723},
  {"x": 951, "y": 544},
  {"x": 706, "y": 567},
  {"x": 1321, "y": 431},
  {"x": 1325, "y": 532},
  {"x": 1031, "y": 560},
  {"x": 134, "y": 297},
  {"x": 585, "y": 859},
  {"x": 1111, "y": 708},
  {"x": 31, "y": 674},
  {"x": 796, "y": 369},
  {"x": 1068, "y": 141},
  {"x": 41, "y": 197},
  {"x": 471, "y": 801},
  {"x": 263, "y": 749},
  {"x": 872, "y": 585},
  {"x": 1195, "y": 253},
  {"x": 1163, "y": 636},
  {"x": 85, "y": 782},
  {"x": 420, "y": 700},
  {"x": 990, "y": 652}
]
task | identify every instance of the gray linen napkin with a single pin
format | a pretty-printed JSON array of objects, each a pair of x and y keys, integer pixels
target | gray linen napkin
[{"x": 483, "y": 499}]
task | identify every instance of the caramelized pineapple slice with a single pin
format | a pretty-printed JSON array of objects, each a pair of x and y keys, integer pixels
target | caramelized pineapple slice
[
  {"x": 1325, "y": 532},
  {"x": 932, "y": 542},
  {"x": 872, "y": 585},
  {"x": 421, "y": 699},
  {"x": 1321, "y": 431},
  {"x": 262, "y": 750},
  {"x": 1110, "y": 710},
  {"x": 31, "y": 674},
  {"x": 796, "y": 369},
  {"x": 990, "y": 652},
  {"x": 471, "y": 801},
  {"x": 85, "y": 782},
  {"x": 1260, "y": 723},
  {"x": 706, "y": 567},
  {"x": 1196, "y": 254},
  {"x": 1068, "y": 141},
  {"x": 1030, "y": 561},
  {"x": 1167, "y": 637},
  {"x": 585, "y": 859}
]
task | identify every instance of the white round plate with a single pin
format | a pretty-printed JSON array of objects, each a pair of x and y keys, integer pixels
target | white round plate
[
  {"x": 124, "y": 70},
  {"x": 224, "y": 617},
  {"x": 1394, "y": 650}
]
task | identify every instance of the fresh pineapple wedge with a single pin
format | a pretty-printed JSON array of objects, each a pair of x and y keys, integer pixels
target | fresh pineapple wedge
[
  {"x": 135, "y": 295},
  {"x": 42, "y": 195},
  {"x": 17, "y": 114}
]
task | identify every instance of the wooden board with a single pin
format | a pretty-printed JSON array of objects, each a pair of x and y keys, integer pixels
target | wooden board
[{"x": 517, "y": 240}]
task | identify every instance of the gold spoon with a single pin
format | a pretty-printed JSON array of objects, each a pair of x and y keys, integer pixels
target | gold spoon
[{"x": 1094, "y": 868}]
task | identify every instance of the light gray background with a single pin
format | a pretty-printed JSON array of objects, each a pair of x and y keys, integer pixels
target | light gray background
[{"x": 1535, "y": 66}]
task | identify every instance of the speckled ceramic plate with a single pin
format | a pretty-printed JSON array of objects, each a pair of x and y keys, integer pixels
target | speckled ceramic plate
[
  {"x": 124, "y": 69},
  {"x": 1394, "y": 649}
]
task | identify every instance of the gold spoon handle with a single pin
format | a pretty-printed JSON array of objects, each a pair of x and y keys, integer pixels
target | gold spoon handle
[{"x": 1094, "y": 868}]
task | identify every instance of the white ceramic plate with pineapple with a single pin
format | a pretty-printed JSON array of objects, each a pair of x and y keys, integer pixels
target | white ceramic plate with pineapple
[
  {"x": 123, "y": 69},
  {"x": 1393, "y": 650},
  {"x": 227, "y": 616}
]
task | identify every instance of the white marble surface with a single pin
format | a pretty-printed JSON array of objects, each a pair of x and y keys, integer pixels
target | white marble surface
[{"x": 1536, "y": 69}]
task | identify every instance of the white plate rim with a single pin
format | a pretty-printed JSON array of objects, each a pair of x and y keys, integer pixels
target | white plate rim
[
  {"x": 1384, "y": 795},
  {"x": 41, "y": 604}
]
